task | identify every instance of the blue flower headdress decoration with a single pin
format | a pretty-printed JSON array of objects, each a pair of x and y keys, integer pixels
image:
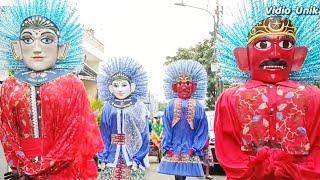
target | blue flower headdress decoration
[
  {"x": 247, "y": 14},
  {"x": 126, "y": 67},
  {"x": 59, "y": 12},
  {"x": 190, "y": 68}
]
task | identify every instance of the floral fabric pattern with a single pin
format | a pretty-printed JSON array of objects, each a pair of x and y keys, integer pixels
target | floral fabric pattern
[{"x": 273, "y": 116}]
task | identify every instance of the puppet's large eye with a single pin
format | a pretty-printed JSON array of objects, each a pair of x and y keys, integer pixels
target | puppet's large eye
[
  {"x": 27, "y": 40},
  {"x": 47, "y": 40},
  {"x": 263, "y": 45},
  {"x": 286, "y": 44}
]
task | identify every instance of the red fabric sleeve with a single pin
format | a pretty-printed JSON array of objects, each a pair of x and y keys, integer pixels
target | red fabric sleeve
[
  {"x": 267, "y": 163},
  {"x": 9, "y": 128}
]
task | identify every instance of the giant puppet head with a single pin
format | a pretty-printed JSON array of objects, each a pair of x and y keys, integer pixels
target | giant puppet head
[
  {"x": 269, "y": 38},
  {"x": 36, "y": 34},
  {"x": 121, "y": 79},
  {"x": 184, "y": 86},
  {"x": 185, "y": 79},
  {"x": 271, "y": 54},
  {"x": 121, "y": 86},
  {"x": 38, "y": 45}
]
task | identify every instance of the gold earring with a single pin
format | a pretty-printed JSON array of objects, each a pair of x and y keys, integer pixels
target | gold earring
[
  {"x": 17, "y": 57},
  {"x": 63, "y": 55}
]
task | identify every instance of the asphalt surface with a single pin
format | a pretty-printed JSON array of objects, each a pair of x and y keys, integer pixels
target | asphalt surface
[
  {"x": 151, "y": 172},
  {"x": 3, "y": 164}
]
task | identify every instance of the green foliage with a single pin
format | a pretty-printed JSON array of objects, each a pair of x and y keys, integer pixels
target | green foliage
[
  {"x": 11, "y": 73},
  {"x": 203, "y": 52},
  {"x": 97, "y": 105}
]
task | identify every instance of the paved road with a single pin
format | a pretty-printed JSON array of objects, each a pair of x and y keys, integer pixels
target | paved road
[
  {"x": 151, "y": 172},
  {"x": 153, "y": 175},
  {"x": 3, "y": 164}
]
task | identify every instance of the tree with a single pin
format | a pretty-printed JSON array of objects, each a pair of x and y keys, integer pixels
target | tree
[
  {"x": 203, "y": 53},
  {"x": 97, "y": 105}
]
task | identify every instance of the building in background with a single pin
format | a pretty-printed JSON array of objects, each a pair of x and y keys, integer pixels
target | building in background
[
  {"x": 94, "y": 50},
  {"x": 152, "y": 104}
]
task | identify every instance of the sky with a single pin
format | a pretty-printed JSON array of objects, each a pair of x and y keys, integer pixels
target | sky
[{"x": 147, "y": 30}]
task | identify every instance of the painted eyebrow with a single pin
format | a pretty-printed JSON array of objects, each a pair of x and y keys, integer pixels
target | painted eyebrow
[
  {"x": 27, "y": 33},
  {"x": 265, "y": 38},
  {"x": 287, "y": 38},
  {"x": 47, "y": 33}
]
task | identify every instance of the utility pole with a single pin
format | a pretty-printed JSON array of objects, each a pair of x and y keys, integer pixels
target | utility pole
[
  {"x": 218, "y": 14},
  {"x": 217, "y": 21}
]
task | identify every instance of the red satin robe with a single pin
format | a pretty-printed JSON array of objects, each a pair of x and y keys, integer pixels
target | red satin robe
[
  {"x": 69, "y": 136},
  {"x": 268, "y": 131}
]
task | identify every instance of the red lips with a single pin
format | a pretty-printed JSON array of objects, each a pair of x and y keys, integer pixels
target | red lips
[{"x": 38, "y": 58}]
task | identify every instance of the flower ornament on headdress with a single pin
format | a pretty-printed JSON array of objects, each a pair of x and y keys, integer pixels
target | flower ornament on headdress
[
  {"x": 56, "y": 15},
  {"x": 190, "y": 68},
  {"x": 122, "y": 68},
  {"x": 251, "y": 20}
]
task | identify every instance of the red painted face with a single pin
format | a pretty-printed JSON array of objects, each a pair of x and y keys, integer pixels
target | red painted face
[
  {"x": 271, "y": 58},
  {"x": 184, "y": 87},
  {"x": 271, "y": 54}
]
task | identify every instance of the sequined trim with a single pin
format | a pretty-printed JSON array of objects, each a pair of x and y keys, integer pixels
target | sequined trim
[
  {"x": 40, "y": 78},
  {"x": 122, "y": 103},
  {"x": 33, "y": 101},
  {"x": 182, "y": 158},
  {"x": 191, "y": 112},
  {"x": 118, "y": 139},
  {"x": 176, "y": 111}
]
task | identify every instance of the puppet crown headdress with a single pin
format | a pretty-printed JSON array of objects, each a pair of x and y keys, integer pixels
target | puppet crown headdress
[
  {"x": 57, "y": 15},
  {"x": 252, "y": 18},
  {"x": 38, "y": 22},
  {"x": 190, "y": 68},
  {"x": 274, "y": 25},
  {"x": 121, "y": 68}
]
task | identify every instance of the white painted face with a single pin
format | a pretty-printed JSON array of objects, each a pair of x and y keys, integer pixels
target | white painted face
[
  {"x": 39, "y": 48},
  {"x": 121, "y": 89}
]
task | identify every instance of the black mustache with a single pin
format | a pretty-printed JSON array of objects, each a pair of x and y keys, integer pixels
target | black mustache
[{"x": 274, "y": 62}]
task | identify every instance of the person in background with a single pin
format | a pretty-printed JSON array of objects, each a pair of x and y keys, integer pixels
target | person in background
[
  {"x": 150, "y": 120},
  {"x": 157, "y": 126},
  {"x": 156, "y": 133},
  {"x": 207, "y": 159}
]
